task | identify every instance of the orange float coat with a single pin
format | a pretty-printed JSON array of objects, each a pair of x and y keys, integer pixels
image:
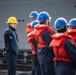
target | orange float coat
[
  {"x": 58, "y": 47},
  {"x": 39, "y": 30}
]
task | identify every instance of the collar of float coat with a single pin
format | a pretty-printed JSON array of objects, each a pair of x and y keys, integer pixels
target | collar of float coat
[
  {"x": 72, "y": 32},
  {"x": 59, "y": 38},
  {"x": 41, "y": 27}
]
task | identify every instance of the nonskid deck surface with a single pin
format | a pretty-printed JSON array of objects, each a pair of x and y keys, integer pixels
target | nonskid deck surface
[
  {"x": 24, "y": 64},
  {"x": 4, "y": 72}
]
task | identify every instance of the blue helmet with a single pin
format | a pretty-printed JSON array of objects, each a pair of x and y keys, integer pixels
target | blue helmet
[
  {"x": 34, "y": 14},
  {"x": 60, "y": 22},
  {"x": 34, "y": 23},
  {"x": 43, "y": 16},
  {"x": 72, "y": 22}
]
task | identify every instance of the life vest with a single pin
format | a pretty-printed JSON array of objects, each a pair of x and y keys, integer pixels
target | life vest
[
  {"x": 31, "y": 37},
  {"x": 28, "y": 28},
  {"x": 72, "y": 33},
  {"x": 39, "y": 30},
  {"x": 14, "y": 42},
  {"x": 58, "y": 47}
]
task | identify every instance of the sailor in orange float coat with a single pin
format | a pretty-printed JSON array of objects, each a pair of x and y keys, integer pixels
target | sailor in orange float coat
[
  {"x": 28, "y": 30},
  {"x": 45, "y": 53},
  {"x": 72, "y": 28},
  {"x": 64, "y": 50}
]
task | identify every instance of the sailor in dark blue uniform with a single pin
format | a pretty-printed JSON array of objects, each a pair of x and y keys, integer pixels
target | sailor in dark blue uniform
[
  {"x": 11, "y": 45},
  {"x": 45, "y": 53}
]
